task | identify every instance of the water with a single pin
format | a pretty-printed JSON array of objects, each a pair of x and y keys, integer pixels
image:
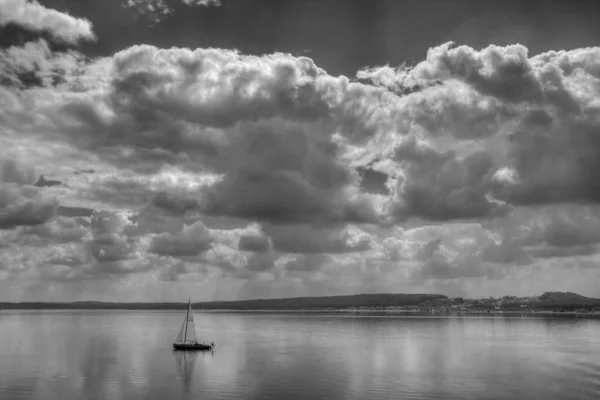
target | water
[{"x": 128, "y": 355}]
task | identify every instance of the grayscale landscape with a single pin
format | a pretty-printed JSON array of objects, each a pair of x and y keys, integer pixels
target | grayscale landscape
[{"x": 299, "y": 199}]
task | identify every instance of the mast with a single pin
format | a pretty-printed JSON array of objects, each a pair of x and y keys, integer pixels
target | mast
[{"x": 187, "y": 316}]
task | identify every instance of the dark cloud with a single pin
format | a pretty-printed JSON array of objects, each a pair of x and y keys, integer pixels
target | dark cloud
[
  {"x": 108, "y": 243},
  {"x": 85, "y": 171},
  {"x": 12, "y": 172},
  {"x": 191, "y": 241},
  {"x": 573, "y": 230},
  {"x": 176, "y": 204},
  {"x": 269, "y": 135},
  {"x": 254, "y": 243},
  {"x": 33, "y": 16},
  {"x": 20, "y": 203},
  {"x": 505, "y": 252},
  {"x": 564, "y": 231},
  {"x": 372, "y": 181},
  {"x": 564, "y": 252},
  {"x": 153, "y": 220},
  {"x": 42, "y": 182},
  {"x": 276, "y": 173},
  {"x": 122, "y": 192},
  {"x": 535, "y": 112},
  {"x": 58, "y": 230},
  {"x": 437, "y": 265},
  {"x": 36, "y": 64},
  {"x": 70, "y": 260},
  {"x": 173, "y": 272},
  {"x": 22, "y": 207},
  {"x": 69, "y": 211},
  {"x": 307, "y": 263},
  {"x": 306, "y": 239},
  {"x": 441, "y": 186},
  {"x": 555, "y": 160},
  {"x": 261, "y": 262}
]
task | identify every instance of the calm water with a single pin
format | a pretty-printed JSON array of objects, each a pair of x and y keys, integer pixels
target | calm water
[{"x": 127, "y": 355}]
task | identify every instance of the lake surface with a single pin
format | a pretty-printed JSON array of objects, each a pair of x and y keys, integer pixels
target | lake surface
[{"x": 128, "y": 355}]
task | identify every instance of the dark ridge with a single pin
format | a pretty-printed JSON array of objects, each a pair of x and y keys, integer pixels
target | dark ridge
[
  {"x": 549, "y": 301},
  {"x": 296, "y": 303}
]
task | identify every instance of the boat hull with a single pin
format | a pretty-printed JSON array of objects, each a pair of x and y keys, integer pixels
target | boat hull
[{"x": 192, "y": 346}]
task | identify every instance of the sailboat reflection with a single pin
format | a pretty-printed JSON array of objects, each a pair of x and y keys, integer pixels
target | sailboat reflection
[{"x": 186, "y": 363}]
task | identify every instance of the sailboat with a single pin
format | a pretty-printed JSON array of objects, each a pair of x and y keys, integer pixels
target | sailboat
[{"x": 186, "y": 339}]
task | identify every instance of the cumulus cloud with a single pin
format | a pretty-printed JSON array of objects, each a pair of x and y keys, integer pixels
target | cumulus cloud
[
  {"x": 31, "y": 15},
  {"x": 255, "y": 243},
  {"x": 256, "y": 124},
  {"x": 307, "y": 263},
  {"x": 306, "y": 239},
  {"x": 173, "y": 272},
  {"x": 21, "y": 203},
  {"x": 269, "y": 170},
  {"x": 191, "y": 241},
  {"x": 278, "y": 128},
  {"x": 109, "y": 243},
  {"x": 55, "y": 231},
  {"x": 442, "y": 185},
  {"x": 35, "y": 64},
  {"x": 542, "y": 148}
]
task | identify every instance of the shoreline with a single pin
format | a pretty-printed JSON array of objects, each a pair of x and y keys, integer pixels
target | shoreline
[{"x": 349, "y": 312}]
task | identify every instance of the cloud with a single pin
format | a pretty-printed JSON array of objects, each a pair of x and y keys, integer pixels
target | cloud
[
  {"x": 42, "y": 182},
  {"x": 256, "y": 132},
  {"x": 306, "y": 239},
  {"x": 21, "y": 203},
  {"x": 466, "y": 172},
  {"x": 543, "y": 135},
  {"x": 562, "y": 231},
  {"x": 173, "y": 272},
  {"x": 35, "y": 64},
  {"x": 444, "y": 185},
  {"x": 109, "y": 243},
  {"x": 31, "y": 15},
  {"x": 156, "y": 10},
  {"x": 191, "y": 241},
  {"x": 55, "y": 231},
  {"x": 260, "y": 262},
  {"x": 307, "y": 263},
  {"x": 254, "y": 243}
]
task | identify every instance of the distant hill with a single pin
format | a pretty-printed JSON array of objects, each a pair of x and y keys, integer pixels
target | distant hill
[
  {"x": 547, "y": 301},
  {"x": 550, "y": 300},
  {"x": 566, "y": 299},
  {"x": 294, "y": 303}
]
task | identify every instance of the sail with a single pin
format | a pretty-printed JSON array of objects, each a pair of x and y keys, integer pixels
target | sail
[
  {"x": 190, "y": 334},
  {"x": 180, "y": 335}
]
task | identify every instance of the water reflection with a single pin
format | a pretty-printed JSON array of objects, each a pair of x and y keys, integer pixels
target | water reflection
[
  {"x": 128, "y": 355},
  {"x": 186, "y": 362},
  {"x": 99, "y": 363},
  {"x": 284, "y": 370}
]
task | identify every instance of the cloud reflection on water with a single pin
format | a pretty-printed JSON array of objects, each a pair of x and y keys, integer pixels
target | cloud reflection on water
[{"x": 128, "y": 355}]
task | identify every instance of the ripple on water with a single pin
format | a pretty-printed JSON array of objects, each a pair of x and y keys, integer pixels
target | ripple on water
[{"x": 126, "y": 355}]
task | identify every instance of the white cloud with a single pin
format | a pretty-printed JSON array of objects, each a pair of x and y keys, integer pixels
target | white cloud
[
  {"x": 34, "y": 17},
  {"x": 253, "y": 169},
  {"x": 156, "y": 10}
]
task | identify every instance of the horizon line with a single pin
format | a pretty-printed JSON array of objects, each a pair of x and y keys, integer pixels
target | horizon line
[{"x": 282, "y": 298}]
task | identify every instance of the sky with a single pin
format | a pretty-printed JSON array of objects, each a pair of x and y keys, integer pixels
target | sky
[{"x": 160, "y": 150}]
